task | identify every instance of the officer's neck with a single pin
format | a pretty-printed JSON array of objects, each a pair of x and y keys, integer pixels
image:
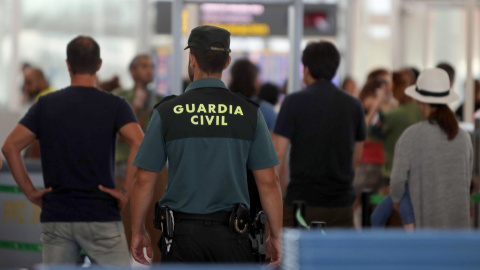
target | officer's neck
[
  {"x": 199, "y": 74},
  {"x": 85, "y": 80}
]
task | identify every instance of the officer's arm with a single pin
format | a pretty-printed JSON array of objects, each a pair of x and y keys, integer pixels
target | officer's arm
[
  {"x": 142, "y": 194},
  {"x": 133, "y": 135},
  {"x": 20, "y": 138},
  {"x": 281, "y": 146},
  {"x": 271, "y": 198}
]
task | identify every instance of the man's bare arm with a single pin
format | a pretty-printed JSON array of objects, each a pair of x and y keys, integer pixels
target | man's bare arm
[
  {"x": 133, "y": 135},
  {"x": 18, "y": 139},
  {"x": 271, "y": 198},
  {"x": 142, "y": 194},
  {"x": 281, "y": 146}
]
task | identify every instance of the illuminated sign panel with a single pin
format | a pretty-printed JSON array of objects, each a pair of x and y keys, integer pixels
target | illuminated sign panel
[
  {"x": 254, "y": 19},
  {"x": 251, "y": 29},
  {"x": 246, "y": 19},
  {"x": 230, "y": 13}
]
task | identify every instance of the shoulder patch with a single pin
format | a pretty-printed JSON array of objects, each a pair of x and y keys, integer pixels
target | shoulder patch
[
  {"x": 247, "y": 99},
  {"x": 165, "y": 99}
]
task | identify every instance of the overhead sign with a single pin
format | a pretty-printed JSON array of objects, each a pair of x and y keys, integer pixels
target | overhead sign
[
  {"x": 163, "y": 19},
  {"x": 254, "y": 19},
  {"x": 246, "y": 19}
]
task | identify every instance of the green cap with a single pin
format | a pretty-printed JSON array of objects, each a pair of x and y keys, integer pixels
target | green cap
[{"x": 203, "y": 36}]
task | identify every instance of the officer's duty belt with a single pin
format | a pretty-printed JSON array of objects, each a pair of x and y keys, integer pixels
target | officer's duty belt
[{"x": 220, "y": 216}]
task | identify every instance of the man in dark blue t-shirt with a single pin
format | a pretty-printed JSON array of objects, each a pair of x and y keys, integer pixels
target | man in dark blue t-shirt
[
  {"x": 77, "y": 128},
  {"x": 326, "y": 128}
]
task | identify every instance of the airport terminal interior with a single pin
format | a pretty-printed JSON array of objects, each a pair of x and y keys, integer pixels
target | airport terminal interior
[{"x": 394, "y": 39}]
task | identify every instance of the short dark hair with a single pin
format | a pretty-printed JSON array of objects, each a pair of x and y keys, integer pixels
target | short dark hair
[
  {"x": 83, "y": 55},
  {"x": 136, "y": 59},
  {"x": 449, "y": 69},
  {"x": 244, "y": 74},
  {"x": 322, "y": 59},
  {"x": 211, "y": 61},
  {"x": 269, "y": 93}
]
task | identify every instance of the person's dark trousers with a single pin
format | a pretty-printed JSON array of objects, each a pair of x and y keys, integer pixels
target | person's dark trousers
[
  {"x": 332, "y": 216},
  {"x": 205, "y": 241}
]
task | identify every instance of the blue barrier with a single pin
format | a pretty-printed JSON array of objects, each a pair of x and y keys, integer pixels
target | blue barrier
[{"x": 381, "y": 250}]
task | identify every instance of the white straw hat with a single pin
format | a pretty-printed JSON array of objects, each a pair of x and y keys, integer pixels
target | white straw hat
[{"x": 433, "y": 87}]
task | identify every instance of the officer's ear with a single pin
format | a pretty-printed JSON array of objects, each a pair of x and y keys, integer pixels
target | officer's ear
[
  {"x": 228, "y": 62},
  {"x": 193, "y": 61}
]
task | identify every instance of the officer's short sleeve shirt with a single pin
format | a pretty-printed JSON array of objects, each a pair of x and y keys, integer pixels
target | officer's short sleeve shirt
[
  {"x": 262, "y": 154},
  {"x": 210, "y": 137},
  {"x": 152, "y": 154}
]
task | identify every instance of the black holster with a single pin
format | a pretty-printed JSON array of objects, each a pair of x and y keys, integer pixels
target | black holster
[
  {"x": 239, "y": 219},
  {"x": 257, "y": 237},
  {"x": 164, "y": 220}
]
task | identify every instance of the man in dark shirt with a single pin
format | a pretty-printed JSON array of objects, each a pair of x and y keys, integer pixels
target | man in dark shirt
[
  {"x": 77, "y": 129},
  {"x": 326, "y": 129}
]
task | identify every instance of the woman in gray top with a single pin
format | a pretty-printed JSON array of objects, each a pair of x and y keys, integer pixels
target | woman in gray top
[{"x": 435, "y": 158}]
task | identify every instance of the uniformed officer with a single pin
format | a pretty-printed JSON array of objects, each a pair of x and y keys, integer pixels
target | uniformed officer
[{"x": 208, "y": 135}]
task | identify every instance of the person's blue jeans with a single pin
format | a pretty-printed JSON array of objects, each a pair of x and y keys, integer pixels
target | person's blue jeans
[
  {"x": 385, "y": 208},
  {"x": 103, "y": 242}
]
